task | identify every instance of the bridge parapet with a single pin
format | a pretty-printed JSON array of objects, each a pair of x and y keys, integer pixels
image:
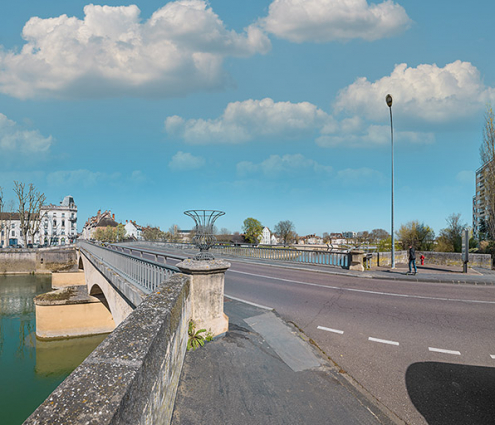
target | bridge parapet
[{"x": 132, "y": 376}]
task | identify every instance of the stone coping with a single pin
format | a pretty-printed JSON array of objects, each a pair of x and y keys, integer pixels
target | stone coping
[{"x": 118, "y": 382}]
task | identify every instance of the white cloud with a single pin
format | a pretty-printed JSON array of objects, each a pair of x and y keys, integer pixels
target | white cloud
[
  {"x": 82, "y": 177},
  {"x": 276, "y": 165},
  {"x": 359, "y": 176},
  {"x": 183, "y": 161},
  {"x": 252, "y": 119},
  {"x": 15, "y": 138},
  {"x": 428, "y": 92},
  {"x": 372, "y": 136},
  {"x": 328, "y": 20},
  {"x": 110, "y": 52}
]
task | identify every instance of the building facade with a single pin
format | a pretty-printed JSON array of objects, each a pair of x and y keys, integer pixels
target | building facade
[
  {"x": 132, "y": 230},
  {"x": 480, "y": 213},
  {"x": 99, "y": 221},
  {"x": 57, "y": 226}
]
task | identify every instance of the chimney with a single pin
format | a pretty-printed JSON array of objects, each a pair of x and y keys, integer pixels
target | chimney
[
  {"x": 126, "y": 222},
  {"x": 113, "y": 216}
]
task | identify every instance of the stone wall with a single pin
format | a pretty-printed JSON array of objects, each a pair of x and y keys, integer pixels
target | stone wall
[
  {"x": 37, "y": 261},
  {"x": 131, "y": 377},
  {"x": 434, "y": 258}
]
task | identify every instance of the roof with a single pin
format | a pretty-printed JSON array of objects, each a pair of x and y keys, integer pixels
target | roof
[{"x": 9, "y": 216}]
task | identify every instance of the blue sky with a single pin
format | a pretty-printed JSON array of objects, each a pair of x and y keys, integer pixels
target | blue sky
[{"x": 267, "y": 109}]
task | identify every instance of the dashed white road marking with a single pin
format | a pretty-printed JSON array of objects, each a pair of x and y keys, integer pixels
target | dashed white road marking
[
  {"x": 492, "y": 356},
  {"x": 336, "y": 331},
  {"x": 383, "y": 341},
  {"x": 441, "y": 350},
  {"x": 364, "y": 291}
]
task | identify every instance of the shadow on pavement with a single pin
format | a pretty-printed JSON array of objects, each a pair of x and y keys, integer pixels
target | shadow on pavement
[{"x": 447, "y": 393}]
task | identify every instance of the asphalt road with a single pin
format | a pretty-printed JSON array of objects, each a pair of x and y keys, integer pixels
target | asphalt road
[{"x": 425, "y": 350}]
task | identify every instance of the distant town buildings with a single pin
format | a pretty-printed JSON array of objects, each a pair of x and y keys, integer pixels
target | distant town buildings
[
  {"x": 99, "y": 221},
  {"x": 57, "y": 226},
  {"x": 268, "y": 238}
]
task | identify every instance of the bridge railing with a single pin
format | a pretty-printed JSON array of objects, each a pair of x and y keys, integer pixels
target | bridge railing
[
  {"x": 329, "y": 258},
  {"x": 145, "y": 273}
]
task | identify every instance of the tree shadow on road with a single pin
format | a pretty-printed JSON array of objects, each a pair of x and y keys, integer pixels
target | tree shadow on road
[{"x": 446, "y": 393}]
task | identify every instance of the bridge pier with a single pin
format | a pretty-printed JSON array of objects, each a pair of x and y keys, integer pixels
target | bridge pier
[{"x": 207, "y": 289}]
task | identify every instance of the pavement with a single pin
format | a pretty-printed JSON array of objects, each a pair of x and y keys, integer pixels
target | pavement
[{"x": 266, "y": 371}]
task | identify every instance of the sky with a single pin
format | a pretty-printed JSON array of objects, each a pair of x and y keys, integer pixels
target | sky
[{"x": 272, "y": 109}]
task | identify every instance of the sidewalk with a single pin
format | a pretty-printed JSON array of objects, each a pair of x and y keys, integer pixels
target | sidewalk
[
  {"x": 436, "y": 274},
  {"x": 263, "y": 371}
]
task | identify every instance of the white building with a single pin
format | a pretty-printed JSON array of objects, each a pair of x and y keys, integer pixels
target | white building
[
  {"x": 265, "y": 236},
  {"x": 132, "y": 230},
  {"x": 58, "y": 226}
]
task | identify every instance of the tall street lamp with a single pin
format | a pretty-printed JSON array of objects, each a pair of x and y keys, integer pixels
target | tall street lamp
[{"x": 388, "y": 99}]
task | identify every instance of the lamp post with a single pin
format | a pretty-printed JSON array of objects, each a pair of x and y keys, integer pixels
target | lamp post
[{"x": 388, "y": 99}]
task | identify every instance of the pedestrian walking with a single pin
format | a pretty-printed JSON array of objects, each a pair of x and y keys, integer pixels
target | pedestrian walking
[{"x": 412, "y": 259}]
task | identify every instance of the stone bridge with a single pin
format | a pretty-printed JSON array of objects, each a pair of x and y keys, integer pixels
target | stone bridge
[{"x": 132, "y": 376}]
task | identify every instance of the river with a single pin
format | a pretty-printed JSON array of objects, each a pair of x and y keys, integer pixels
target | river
[{"x": 31, "y": 369}]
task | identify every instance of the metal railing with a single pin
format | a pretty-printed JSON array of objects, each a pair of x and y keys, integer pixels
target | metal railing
[
  {"x": 146, "y": 274},
  {"x": 329, "y": 258}
]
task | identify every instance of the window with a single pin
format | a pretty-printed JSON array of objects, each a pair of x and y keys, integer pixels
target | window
[
  {"x": 13, "y": 233},
  {"x": 63, "y": 215}
]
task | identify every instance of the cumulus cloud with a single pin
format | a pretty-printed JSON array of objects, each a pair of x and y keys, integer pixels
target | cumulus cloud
[
  {"x": 276, "y": 165},
  {"x": 328, "y": 20},
  {"x": 15, "y": 138},
  {"x": 183, "y": 161},
  {"x": 428, "y": 92},
  {"x": 252, "y": 119},
  {"x": 110, "y": 52}
]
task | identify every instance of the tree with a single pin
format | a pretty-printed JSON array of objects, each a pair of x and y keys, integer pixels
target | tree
[
  {"x": 29, "y": 208},
  {"x": 487, "y": 154},
  {"x": 450, "y": 238},
  {"x": 224, "y": 231},
  {"x": 286, "y": 230},
  {"x": 252, "y": 229},
  {"x": 174, "y": 233},
  {"x": 151, "y": 233},
  {"x": 420, "y": 235},
  {"x": 378, "y": 235}
]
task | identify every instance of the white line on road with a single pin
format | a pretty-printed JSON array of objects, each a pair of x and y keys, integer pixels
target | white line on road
[
  {"x": 364, "y": 291},
  {"x": 441, "y": 350},
  {"x": 383, "y": 341},
  {"x": 336, "y": 331},
  {"x": 248, "y": 302},
  {"x": 492, "y": 356}
]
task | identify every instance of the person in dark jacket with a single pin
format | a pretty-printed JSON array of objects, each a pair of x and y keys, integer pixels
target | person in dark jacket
[{"x": 412, "y": 259}]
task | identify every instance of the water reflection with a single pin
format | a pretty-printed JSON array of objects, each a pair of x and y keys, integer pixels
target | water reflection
[
  {"x": 61, "y": 357},
  {"x": 32, "y": 368}
]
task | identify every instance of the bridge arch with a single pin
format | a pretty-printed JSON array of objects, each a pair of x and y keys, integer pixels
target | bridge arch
[{"x": 98, "y": 286}]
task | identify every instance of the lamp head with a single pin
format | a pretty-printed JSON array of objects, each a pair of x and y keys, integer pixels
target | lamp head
[{"x": 388, "y": 99}]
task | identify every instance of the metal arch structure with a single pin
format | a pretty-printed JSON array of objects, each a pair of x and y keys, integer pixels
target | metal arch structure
[{"x": 204, "y": 238}]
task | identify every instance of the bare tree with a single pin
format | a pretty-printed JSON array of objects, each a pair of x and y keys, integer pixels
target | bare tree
[
  {"x": 30, "y": 209},
  {"x": 286, "y": 230},
  {"x": 487, "y": 154}
]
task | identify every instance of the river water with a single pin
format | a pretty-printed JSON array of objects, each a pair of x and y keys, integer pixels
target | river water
[{"x": 31, "y": 369}]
